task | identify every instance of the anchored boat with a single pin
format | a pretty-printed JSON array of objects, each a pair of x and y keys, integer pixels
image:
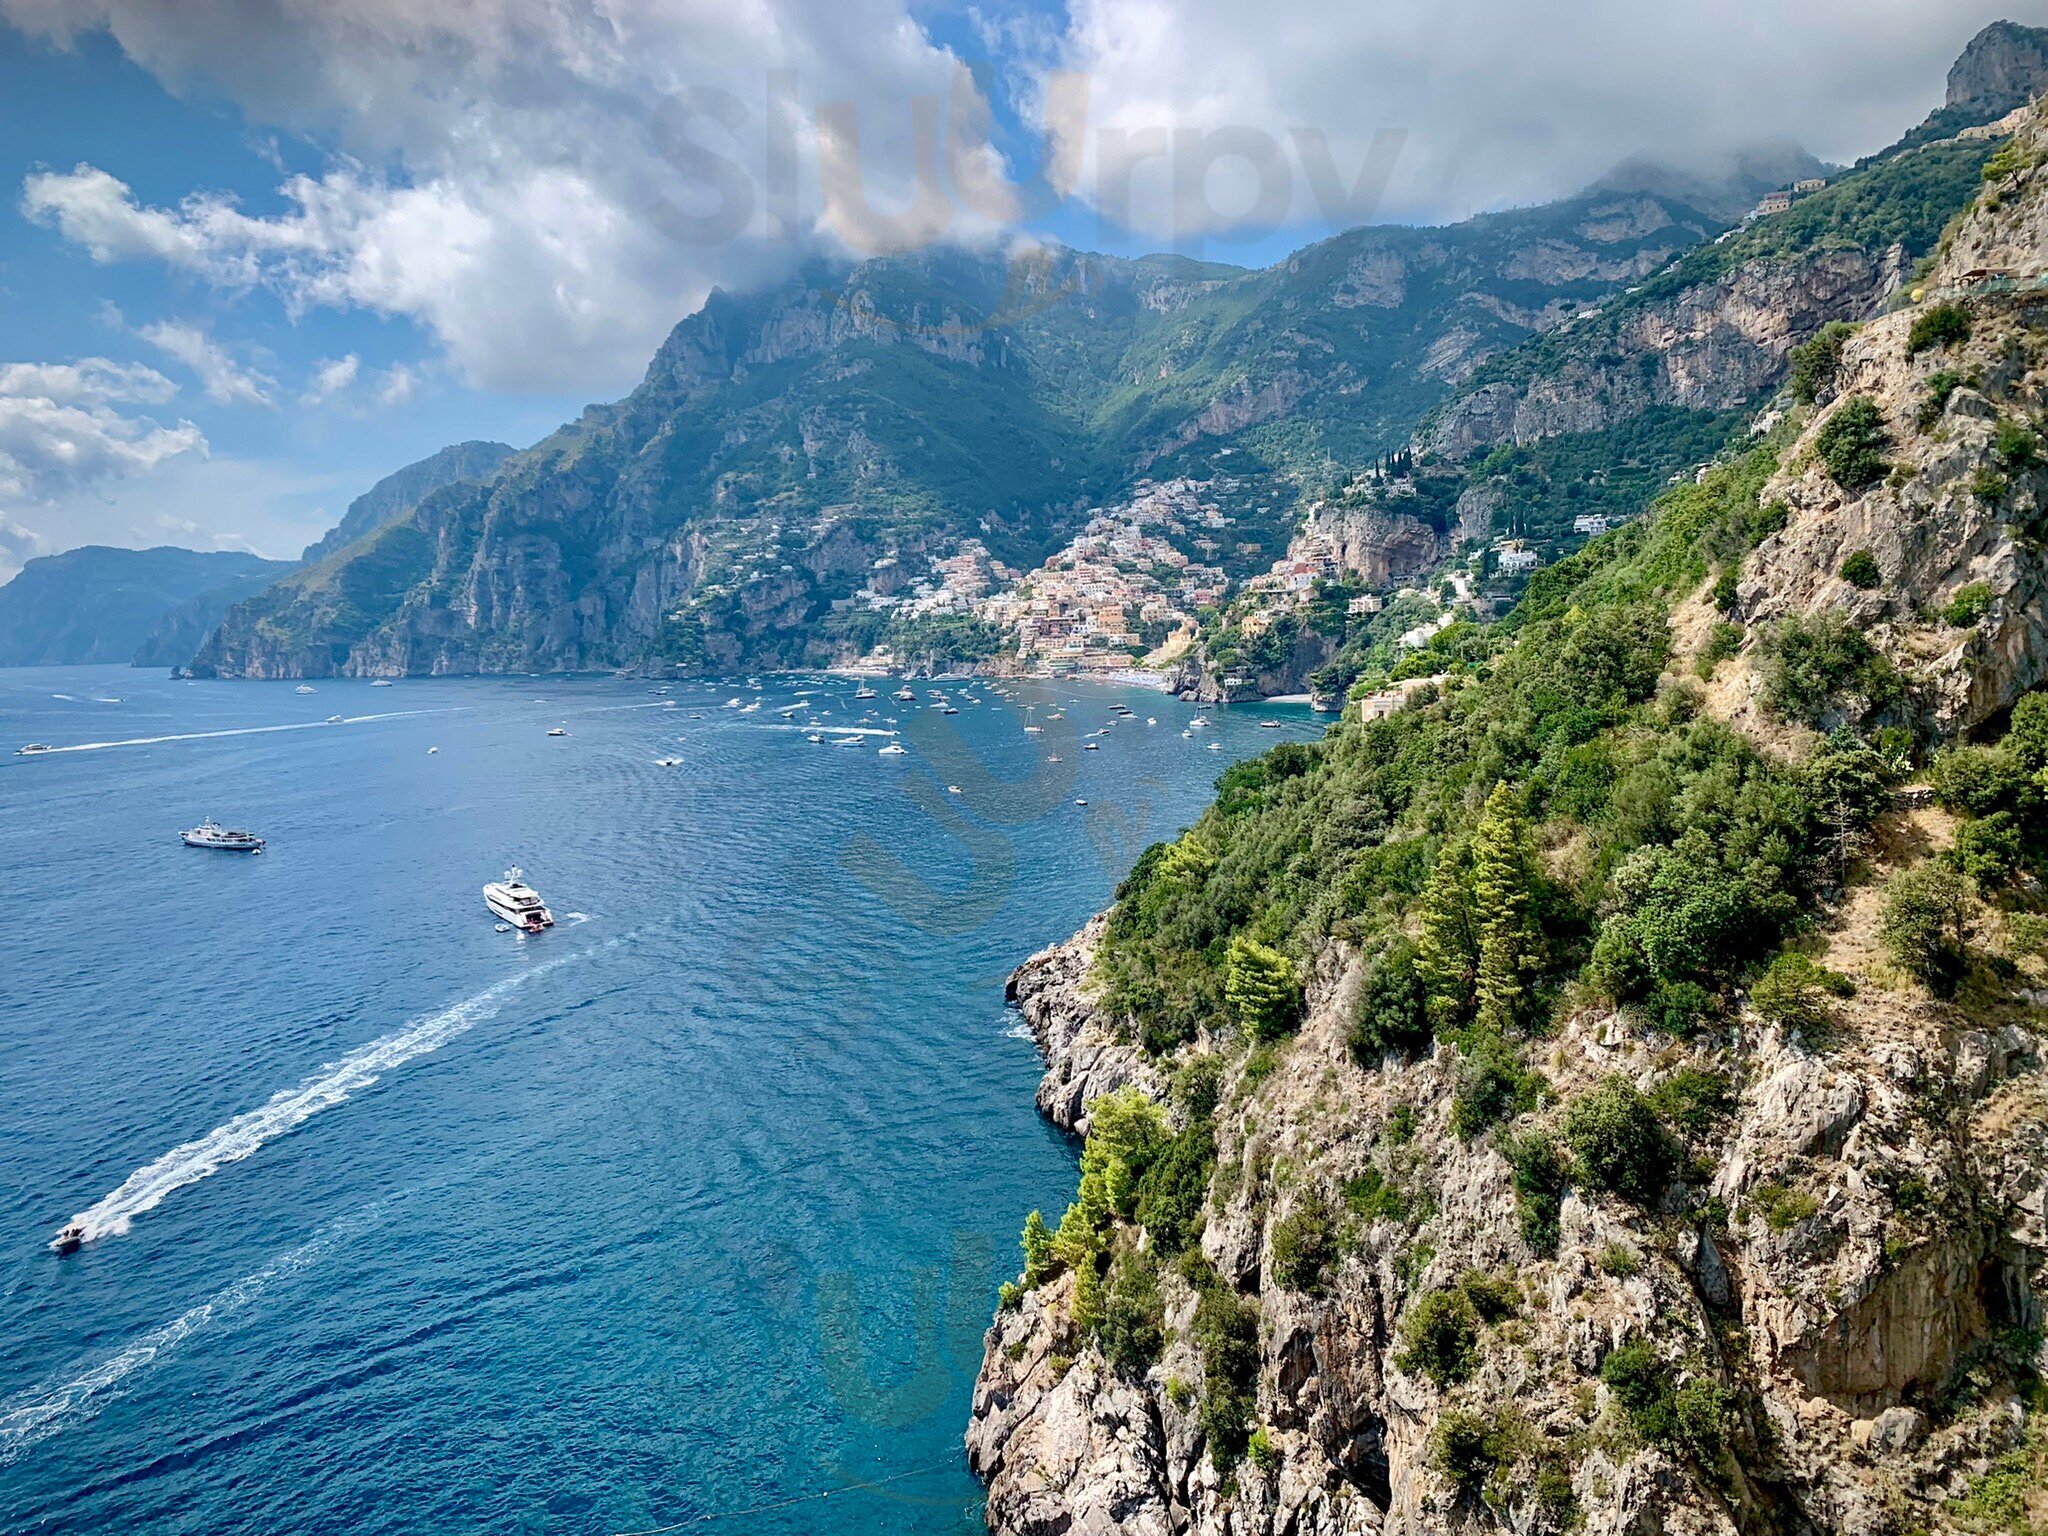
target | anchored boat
[
  {"x": 514, "y": 901},
  {"x": 211, "y": 834}
]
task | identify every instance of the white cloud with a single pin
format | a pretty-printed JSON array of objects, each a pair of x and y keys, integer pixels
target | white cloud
[
  {"x": 62, "y": 438},
  {"x": 400, "y": 384},
  {"x": 554, "y": 185},
  {"x": 331, "y": 377},
  {"x": 223, "y": 379},
  {"x": 1499, "y": 101}
]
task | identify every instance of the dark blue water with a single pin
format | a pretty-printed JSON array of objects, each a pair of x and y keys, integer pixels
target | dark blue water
[{"x": 691, "y": 1207}]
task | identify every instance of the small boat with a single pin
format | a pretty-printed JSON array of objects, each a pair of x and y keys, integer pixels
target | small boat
[
  {"x": 382, "y": 682},
  {"x": 558, "y": 731},
  {"x": 211, "y": 834},
  {"x": 894, "y": 750},
  {"x": 1091, "y": 746},
  {"x": 336, "y": 720},
  {"x": 668, "y": 762},
  {"x": 304, "y": 688},
  {"x": 432, "y": 750},
  {"x": 69, "y": 1240},
  {"x": 33, "y": 748},
  {"x": 904, "y": 696},
  {"x": 1198, "y": 724},
  {"x": 1149, "y": 720},
  {"x": 1269, "y": 725},
  {"x": 816, "y": 738},
  {"x": 1053, "y": 758},
  {"x": 1215, "y": 746},
  {"x": 952, "y": 789},
  {"x": 1034, "y": 730},
  {"x": 947, "y": 709},
  {"x": 513, "y": 901},
  {"x": 865, "y": 692},
  {"x": 1080, "y": 802}
]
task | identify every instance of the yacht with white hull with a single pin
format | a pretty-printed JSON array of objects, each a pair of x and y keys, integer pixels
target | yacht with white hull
[
  {"x": 211, "y": 834},
  {"x": 513, "y": 901}
]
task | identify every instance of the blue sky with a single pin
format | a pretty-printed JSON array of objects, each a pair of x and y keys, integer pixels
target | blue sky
[{"x": 253, "y": 257}]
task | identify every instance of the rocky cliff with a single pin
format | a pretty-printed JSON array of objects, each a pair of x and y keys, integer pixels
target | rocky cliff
[{"x": 96, "y": 604}]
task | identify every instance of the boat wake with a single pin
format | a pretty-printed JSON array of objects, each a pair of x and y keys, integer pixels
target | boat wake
[
  {"x": 247, "y": 730},
  {"x": 247, "y": 1133},
  {"x": 62, "y": 1401}
]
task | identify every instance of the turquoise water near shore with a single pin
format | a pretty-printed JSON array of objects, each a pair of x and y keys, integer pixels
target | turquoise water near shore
[{"x": 689, "y": 1210}]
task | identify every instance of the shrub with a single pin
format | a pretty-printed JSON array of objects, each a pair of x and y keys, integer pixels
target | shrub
[
  {"x": 1860, "y": 570},
  {"x": 1226, "y": 1331},
  {"x": 1853, "y": 442},
  {"x": 1725, "y": 585},
  {"x": 1618, "y": 1143},
  {"x": 1815, "y": 364},
  {"x": 1038, "y": 1251},
  {"x": 1926, "y": 924},
  {"x": 1691, "y": 1418},
  {"x": 1939, "y": 389},
  {"x": 1264, "y": 1453},
  {"x": 1940, "y": 325},
  {"x": 2016, "y": 445},
  {"x": 1469, "y": 1448},
  {"x": 1693, "y": 1100},
  {"x": 1304, "y": 1244},
  {"x": 1440, "y": 1339},
  {"x": 1393, "y": 1013},
  {"x": 1620, "y": 1261},
  {"x": 1989, "y": 849},
  {"x": 1724, "y": 641},
  {"x": 1793, "y": 993},
  {"x": 1493, "y": 1087},
  {"x": 1175, "y": 1186},
  {"x": 1781, "y": 1208},
  {"x": 1371, "y": 1198},
  {"x": 1493, "y": 1297},
  {"x": 1541, "y": 1179},
  {"x": 1260, "y": 987},
  {"x": 1131, "y": 1322},
  {"x": 1969, "y": 605},
  {"x": 1811, "y": 663}
]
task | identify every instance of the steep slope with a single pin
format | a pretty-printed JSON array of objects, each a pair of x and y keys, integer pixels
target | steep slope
[
  {"x": 96, "y": 604},
  {"x": 1588, "y": 1098},
  {"x": 177, "y": 633},
  {"x": 783, "y": 442},
  {"x": 397, "y": 493}
]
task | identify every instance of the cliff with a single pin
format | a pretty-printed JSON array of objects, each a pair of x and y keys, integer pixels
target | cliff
[
  {"x": 96, "y": 604},
  {"x": 399, "y": 492}
]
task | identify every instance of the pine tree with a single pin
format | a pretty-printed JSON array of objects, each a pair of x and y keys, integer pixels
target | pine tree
[
  {"x": 1503, "y": 880},
  {"x": 1448, "y": 950},
  {"x": 1260, "y": 986},
  {"x": 1037, "y": 1245}
]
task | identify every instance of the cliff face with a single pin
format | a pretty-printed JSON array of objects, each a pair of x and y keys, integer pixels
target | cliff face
[
  {"x": 1957, "y": 511},
  {"x": 2005, "y": 66},
  {"x": 1888, "y": 1192},
  {"x": 96, "y": 604},
  {"x": 399, "y": 492}
]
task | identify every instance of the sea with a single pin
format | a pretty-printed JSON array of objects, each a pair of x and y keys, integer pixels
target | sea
[{"x": 685, "y": 1214}]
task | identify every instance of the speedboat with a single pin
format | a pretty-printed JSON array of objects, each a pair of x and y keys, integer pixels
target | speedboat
[
  {"x": 894, "y": 750},
  {"x": 69, "y": 1239},
  {"x": 816, "y": 738},
  {"x": 668, "y": 762},
  {"x": 558, "y": 731},
  {"x": 1091, "y": 746},
  {"x": 952, "y": 789},
  {"x": 1269, "y": 725},
  {"x": 304, "y": 688},
  {"x": 1198, "y": 724},
  {"x": 1215, "y": 746},
  {"x": 335, "y": 720},
  {"x": 33, "y": 748},
  {"x": 514, "y": 901},
  {"x": 211, "y": 834},
  {"x": 382, "y": 682},
  {"x": 904, "y": 696}
]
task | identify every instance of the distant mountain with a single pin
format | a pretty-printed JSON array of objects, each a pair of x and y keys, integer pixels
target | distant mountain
[
  {"x": 1726, "y": 189},
  {"x": 96, "y": 604},
  {"x": 397, "y": 493},
  {"x": 786, "y": 440},
  {"x": 179, "y": 632}
]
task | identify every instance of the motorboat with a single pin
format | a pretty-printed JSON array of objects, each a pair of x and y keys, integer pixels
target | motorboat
[
  {"x": 382, "y": 682},
  {"x": 668, "y": 762},
  {"x": 952, "y": 789},
  {"x": 558, "y": 731},
  {"x": 1198, "y": 724},
  {"x": 1269, "y": 725},
  {"x": 1091, "y": 746},
  {"x": 70, "y": 1239},
  {"x": 894, "y": 749},
  {"x": 33, "y": 748},
  {"x": 1215, "y": 746},
  {"x": 865, "y": 692},
  {"x": 513, "y": 901},
  {"x": 211, "y": 834},
  {"x": 816, "y": 738},
  {"x": 336, "y": 720},
  {"x": 904, "y": 696},
  {"x": 305, "y": 688}
]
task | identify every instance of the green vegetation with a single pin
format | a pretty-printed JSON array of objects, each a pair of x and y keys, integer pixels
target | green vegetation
[
  {"x": 1693, "y": 1418},
  {"x": 1471, "y": 1449},
  {"x": 1260, "y": 988},
  {"x": 1618, "y": 1142},
  {"x": 1860, "y": 570},
  {"x": 1226, "y": 1331},
  {"x": 1926, "y": 924},
  {"x": 1692, "y": 1101},
  {"x": 1853, "y": 442},
  {"x": 1940, "y": 389},
  {"x": 1814, "y": 364},
  {"x": 1969, "y": 605},
  {"x": 1939, "y": 325},
  {"x": 1782, "y": 1208},
  {"x": 2017, "y": 445},
  {"x": 1304, "y": 1246},
  {"x": 1814, "y": 666},
  {"x": 1794, "y": 993}
]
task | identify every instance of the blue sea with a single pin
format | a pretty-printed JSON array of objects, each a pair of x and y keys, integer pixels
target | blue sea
[{"x": 686, "y": 1213}]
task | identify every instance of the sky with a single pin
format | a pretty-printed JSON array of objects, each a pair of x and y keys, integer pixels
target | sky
[{"x": 255, "y": 254}]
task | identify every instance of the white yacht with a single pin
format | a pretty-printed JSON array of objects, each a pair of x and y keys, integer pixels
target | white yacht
[
  {"x": 304, "y": 688},
  {"x": 514, "y": 901},
  {"x": 211, "y": 834},
  {"x": 865, "y": 692},
  {"x": 382, "y": 682},
  {"x": 905, "y": 696},
  {"x": 558, "y": 731},
  {"x": 33, "y": 748},
  {"x": 69, "y": 1240},
  {"x": 893, "y": 750}
]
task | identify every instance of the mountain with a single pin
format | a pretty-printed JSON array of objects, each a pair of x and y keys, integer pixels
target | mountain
[
  {"x": 397, "y": 493},
  {"x": 783, "y": 442},
  {"x": 180, "y": 631},
  {"x": 1601, "y": 1088},
  {"x": 95, "y": 604},
  {"x": 1725, "y": 189},
  {"x": 2002, "y": 69}
]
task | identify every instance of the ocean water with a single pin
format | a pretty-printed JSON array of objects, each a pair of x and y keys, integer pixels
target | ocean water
[{"x": 689, "y": 1212}]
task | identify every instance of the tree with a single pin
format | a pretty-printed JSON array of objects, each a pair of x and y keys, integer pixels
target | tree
[
  {"x": 1448, "y": 954},
  {"x": 1037, "y": 1245},
  {"x": 1814, "y": 365},
  {"x": 1861, "y": 570},
  {"x": 1393, "y": 1005},
  {"x": 1926, "y": 924},
  {"x": 1942, "y": 325},
  {"x": 1503, "y": 879},
  {"x": 1261, "y": 989}
]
